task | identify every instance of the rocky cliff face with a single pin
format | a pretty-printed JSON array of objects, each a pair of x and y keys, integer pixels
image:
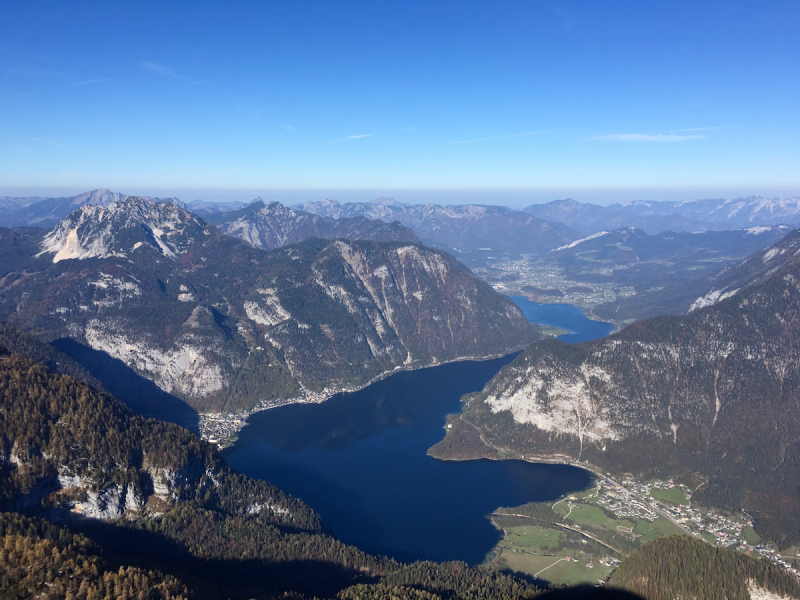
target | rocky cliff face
[
  {"x": 350, "y": 311},
  {"x": 713, "y": 396},
  {"x": 218, "y": 323},
  {"x": 273, "y": 225}
]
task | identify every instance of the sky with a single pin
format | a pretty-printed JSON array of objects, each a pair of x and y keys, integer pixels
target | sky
[{"x": 506, "y": 101}]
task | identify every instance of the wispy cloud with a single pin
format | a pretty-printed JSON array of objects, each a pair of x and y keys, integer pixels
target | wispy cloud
[
  {"x": 361, "y": 135},
  {"x": 90, "y": 81},
  {"x": 159, "y": 69},
  {"x": 650, "y": 137},
  {"x": 165, "y": 71},
  {"x": 288, "y": 128},
  {"x": 497, "y": 137},
  {"x": 47, "y": 141}
]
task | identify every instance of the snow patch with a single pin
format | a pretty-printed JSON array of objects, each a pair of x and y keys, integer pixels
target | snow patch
[
  {"x": 586, "y": 239},
  {"x": 711, "y": 298}
]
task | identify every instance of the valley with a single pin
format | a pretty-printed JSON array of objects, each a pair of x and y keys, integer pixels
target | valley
[
  {"x": 328, "y": 367},
  {"x": 406, "y": 300}
]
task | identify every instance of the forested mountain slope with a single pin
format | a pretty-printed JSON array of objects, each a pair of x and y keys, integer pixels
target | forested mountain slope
[
  {"x": 218, "y": 323},
  {"x": 160, "y": 506},
  {"x": 713, "y": 397},
  {"x": 683, "y": 567}
]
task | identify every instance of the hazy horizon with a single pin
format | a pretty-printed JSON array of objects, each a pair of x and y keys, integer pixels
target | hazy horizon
[{"x": 503, "y": 197}]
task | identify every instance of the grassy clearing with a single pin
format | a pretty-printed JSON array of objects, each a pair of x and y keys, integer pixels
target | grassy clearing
[
  {"x": 709, "y": 537},
  {"x": 658, "y": 528},
  {"x": 531, "y": 538},
  {"x": 576, "y": 573},
  {"x": 557, "y": 571},
  {"x": 593, "y": 516},
  {"x": 750, "y": 536},
  {"x": 672, "y": 495},
  {"x": 527, "y": 563}
]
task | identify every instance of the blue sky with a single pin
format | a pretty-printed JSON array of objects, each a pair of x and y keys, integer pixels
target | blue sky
[{"x": 530, "y": 99}]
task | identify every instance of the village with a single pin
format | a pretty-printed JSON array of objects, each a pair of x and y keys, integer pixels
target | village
[
  {"x": 222, "y": 428},
  {"x": 649, "y": 500}
]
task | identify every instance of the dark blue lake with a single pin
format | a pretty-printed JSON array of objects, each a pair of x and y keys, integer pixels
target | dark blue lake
[
  {"x": 359, "y": 459},
  {"x": 567, "y": 317}
]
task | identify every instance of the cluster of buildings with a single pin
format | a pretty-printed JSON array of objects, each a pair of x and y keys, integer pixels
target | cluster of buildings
[
  {"x": 623, "y": 502},
  {"x": 633, "y": 499},
  {"x": 512, "y": 275},
  {"x": 770, "y": 554},
  {"x": 221, "y": 428}
]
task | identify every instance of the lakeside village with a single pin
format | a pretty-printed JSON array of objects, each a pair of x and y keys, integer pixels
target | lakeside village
[
  {"x": 222, "y": 428},
  {"x": 634, "y": 500}
]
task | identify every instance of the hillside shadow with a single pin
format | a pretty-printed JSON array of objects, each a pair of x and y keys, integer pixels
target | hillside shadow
[
  {"x": 588, "y": 592},
  {"x": 220, "y": 578},
  {"x": 141, "y": 395}
]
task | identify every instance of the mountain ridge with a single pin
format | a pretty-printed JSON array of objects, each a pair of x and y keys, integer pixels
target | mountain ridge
[
  {"x": 684, "y": 215},
  {"x": 710, "y": 397},
  {"x": 208, "y": 317},
  {"x": 270, "y": 226}
]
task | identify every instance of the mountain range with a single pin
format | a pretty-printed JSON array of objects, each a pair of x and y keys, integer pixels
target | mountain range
[
  {"x": 702, "y": 282},
  {"x": 472, "y": 231},
  {"x": 709, "y": 398},
  {"x": 685, "y": 216},
  {"x": 217, "y": 323},
  {"x": 273, "y": 225}
]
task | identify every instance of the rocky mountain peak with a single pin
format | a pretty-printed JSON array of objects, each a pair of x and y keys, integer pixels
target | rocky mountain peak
[
  {"x": 122, "y": 227},
  {"x": 99, "y": 197}
]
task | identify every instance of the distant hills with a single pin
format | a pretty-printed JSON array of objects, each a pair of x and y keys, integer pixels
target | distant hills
[
  {"x": 667, "y": 271},
  {"x": 655, "y": 217},
  {"x": 220, "y": 324},
  {"x": 471, "y": 231},
  {"x": 273, "y": 225},
  {"x": 698, "y": 281},
  {"x": 710, "y": 397}
]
